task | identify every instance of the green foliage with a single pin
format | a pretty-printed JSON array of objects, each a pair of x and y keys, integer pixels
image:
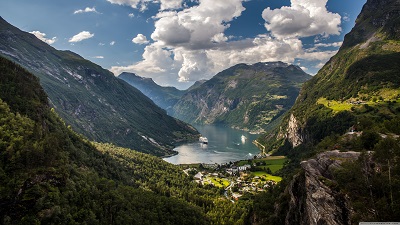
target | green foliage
[
  {"x": 373, "y": 183},
  {"x": 51, "y": 175}
]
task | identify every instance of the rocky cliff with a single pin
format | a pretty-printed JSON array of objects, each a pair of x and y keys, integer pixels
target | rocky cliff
[{"x": 313, "y": 197}]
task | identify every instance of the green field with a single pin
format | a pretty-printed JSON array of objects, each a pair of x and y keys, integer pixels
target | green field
[
  {"x": 274, "y": 163},
  {"x": 218, "y": 182},
  {"x": 263, "y": 174}
]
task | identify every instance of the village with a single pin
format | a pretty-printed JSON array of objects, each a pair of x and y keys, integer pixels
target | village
[{"x": 238, "y": 178}]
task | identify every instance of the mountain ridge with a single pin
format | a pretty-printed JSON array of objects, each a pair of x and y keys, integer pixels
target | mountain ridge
[
  {"x": 164, "y": 97},
  {"x": 92, "y": 100}
]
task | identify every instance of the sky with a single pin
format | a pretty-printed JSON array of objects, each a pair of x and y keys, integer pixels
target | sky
[{"x": 177, "y": 42}]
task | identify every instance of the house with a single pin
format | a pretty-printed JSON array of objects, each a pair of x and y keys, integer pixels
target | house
[{"x": 198, "y": 176}]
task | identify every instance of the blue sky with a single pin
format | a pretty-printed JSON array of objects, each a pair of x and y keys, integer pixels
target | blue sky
[{"x": 177, "y": 42}]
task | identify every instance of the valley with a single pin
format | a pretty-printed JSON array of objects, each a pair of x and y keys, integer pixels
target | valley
[{"x": 253, "y": 139}]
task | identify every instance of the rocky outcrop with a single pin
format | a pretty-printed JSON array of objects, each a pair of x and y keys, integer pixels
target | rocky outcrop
[
  {"x": 313, "y": 197},
  {"x": 293, "y": 132}
]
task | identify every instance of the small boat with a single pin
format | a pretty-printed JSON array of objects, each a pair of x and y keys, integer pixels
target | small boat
[
  {"x": 243, "y": 138},
  {"x": 203, "y": 140}
]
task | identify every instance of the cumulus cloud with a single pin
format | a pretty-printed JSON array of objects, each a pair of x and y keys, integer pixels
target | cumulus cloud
[
  {"x": 42, "y": 37},
  {"x": 140, "y": 39},
  {"x": 195, "y": 27},
  {"x": 81, "y": 36},
  {"x": 131, "y": 15},
  {"x": 112, "y": 43},
  {"x": 99, "y": 57},
  {"x": 86, "y": 10},
  {"x": 302, "y": 19},
  {"x": 190, "y": 43}
]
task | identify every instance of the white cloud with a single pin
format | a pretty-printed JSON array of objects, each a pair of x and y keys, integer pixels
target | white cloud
[
  {"x": 101, "y": 44},
  {"x": 86, "y": 10},
  {"x": 346, "y": 17},
  {"x": 42, "y": 37},
  {"x": 140, "y": 39},
  {"x": 112, "y": 43},
  {"x": 334, "y": 44},
  {"x": 81, "y": 36},
  {"x": 190, "y": 44},
  {"x": 132, "y": 3},
  {"x": 170, "y": 4},
  {"x": 99, "y": 57},
  {"x": 195, "y": 27},
  {"x": 142, "y": 4},
  {"x": 131, "y": 15},
  {"x": 302, "y": 19}
]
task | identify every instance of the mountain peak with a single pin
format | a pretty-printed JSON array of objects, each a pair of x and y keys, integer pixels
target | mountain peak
[{"x": 379, "y": 18}]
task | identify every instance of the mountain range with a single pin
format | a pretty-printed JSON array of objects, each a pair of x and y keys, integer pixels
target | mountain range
[{"x": 91, "y": 99}]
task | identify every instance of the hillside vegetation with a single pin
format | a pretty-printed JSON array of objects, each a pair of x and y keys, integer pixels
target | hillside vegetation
[
  {"x": 342, "y": 134},
  {"x": 51, "y": 175}
]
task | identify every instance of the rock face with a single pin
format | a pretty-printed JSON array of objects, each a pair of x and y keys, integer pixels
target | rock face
[
  {"x": 313, "y": 200},
  {"x": 247, "y": 97}
]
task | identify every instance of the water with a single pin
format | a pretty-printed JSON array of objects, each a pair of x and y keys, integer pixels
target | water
[{"x": 224, "y": 145}]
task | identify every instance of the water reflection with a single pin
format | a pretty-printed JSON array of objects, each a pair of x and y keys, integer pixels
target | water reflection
[{"x": 224, "y": 145}]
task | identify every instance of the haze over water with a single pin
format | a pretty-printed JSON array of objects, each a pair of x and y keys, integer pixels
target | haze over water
[{"x": 225, "y": 144}]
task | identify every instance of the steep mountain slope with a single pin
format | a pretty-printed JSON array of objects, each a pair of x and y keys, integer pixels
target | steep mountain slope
[
  {"x": 358, "y": 86},
  {"x": 165, "y": 97},
  {"x": 244, "y": 96},
  {"x": 352, "y": 106},
  {"x": 91, "y": 100},
  {"x": 50, "y": 175}
]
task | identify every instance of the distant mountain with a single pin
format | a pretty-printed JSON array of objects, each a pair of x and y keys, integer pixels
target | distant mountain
[
  {"x": 358, "y": 86},
  {"x": 91, "y": 99},
  {"x": 247, "y": 97},
  {"x": 165, "y": 97}
]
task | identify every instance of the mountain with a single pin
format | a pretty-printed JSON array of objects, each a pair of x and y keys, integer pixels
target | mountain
[
  {"x": 91, "y": 99},
  {"x": 196, "y": 85},
  {"x": 247, "y": 97},
  {"x": 342, "y": 133},
  {"x": 358, "y": 87},
  {"x": 165, "y": 97},
  {"x": 51, "y": 175}
]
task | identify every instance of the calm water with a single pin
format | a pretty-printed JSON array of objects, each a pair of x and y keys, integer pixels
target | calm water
[{"x": 224, "y": 145}]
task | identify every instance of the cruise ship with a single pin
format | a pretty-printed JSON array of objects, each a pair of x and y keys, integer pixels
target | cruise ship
[{"x": 203, "y": 140}]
